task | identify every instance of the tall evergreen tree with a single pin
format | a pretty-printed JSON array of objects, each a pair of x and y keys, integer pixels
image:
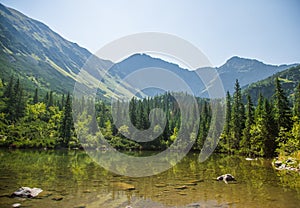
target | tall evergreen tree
[
  {"x": 203, "y": 124},
  {"x": 10, "y": 100},
  {"x": 20, "y": 103},
  {"x": 259, "y": 108},
  {"x": 50, "y": 100},
  {"x": 228, "y": 114},
  {"x": 14, "y": 99},
  {"x": 282, "y": 109},
  {"x": 36, "y": 96},
  {"x": 67, "y": 123},
  {"x": 62, "y": 104},
  {"x": 245, "y": 143},
  {"x": 269, "y": 141},
  {"x": 263, "y": 133},
  {"x": 46, "y": 98},
  {"x": 297, "y": 102},
  {"x": 237, "y": 118}
]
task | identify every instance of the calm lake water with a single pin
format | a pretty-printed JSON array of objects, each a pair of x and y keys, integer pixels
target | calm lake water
[{"x": 73, "y": 179}]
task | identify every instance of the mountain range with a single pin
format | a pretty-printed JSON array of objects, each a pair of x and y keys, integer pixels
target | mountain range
[{"x": 43, "y": 59}]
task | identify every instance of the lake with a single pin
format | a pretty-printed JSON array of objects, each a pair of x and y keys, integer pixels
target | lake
[{"x": 73, "y": 179}]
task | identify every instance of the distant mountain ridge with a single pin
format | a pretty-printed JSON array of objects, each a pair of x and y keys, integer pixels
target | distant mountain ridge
[
  {"x": 43, "y": 59},
  {"x": 245, "y": 70}
]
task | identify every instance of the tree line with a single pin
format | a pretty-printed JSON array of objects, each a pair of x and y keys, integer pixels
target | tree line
[{"x": 270, "y": 127}]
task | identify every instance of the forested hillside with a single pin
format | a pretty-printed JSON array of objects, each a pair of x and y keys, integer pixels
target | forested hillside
[{"x": 289, "y": 80}]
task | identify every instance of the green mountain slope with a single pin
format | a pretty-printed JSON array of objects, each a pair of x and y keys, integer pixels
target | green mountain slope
[
  {"x": 40, "y": 57},
  {"x": 289, "y": 79}
]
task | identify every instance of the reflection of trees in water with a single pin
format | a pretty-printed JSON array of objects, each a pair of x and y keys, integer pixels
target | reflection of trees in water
[{"x": 74, "y": 172}]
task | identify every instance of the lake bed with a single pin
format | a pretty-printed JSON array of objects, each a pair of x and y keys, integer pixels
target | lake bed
[{"x": 73, "y": 179}]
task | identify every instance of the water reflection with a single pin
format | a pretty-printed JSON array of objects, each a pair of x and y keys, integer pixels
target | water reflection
[{"x": 73, "y": 179}]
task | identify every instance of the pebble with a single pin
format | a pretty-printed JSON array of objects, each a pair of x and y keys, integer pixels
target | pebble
[
  {"x": 16, "y": 205},
  {"x": 181, "y": 187},
  {"x": 57, "y": 198}
]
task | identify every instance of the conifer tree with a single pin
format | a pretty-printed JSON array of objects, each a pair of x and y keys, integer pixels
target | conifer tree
[
  {"x": 50, "y": 100},
  {"x": 259, "y": 108},
  {"x": 282, "y": 110},
  {"x": 67, "y": 123},
  {"x": 269, "y": 141},
  {"x": 228, "y": 114},
  {"x": 296, "y": 108},
  {"x": 36, "y": 96},
  {"x": 237, "y": 118},
  {"x": 245, "y": 143}
]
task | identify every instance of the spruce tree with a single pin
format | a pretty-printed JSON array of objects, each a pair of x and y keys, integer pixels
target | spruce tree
[
  {"x": 237, "y": 118},
  {"x": 228, "y": 114},
  {"x": 296, "y": 109},
  {"x": 20, "y": 103},
  {"x": 245, "y": 143},
  {"x": 50, "y": 100},
  {"x": 282, "y": 109},
  {"x": 259, "y": 108},
  {"x": 14, "y": 99},
  {"x": 263, "y": 133},
  {"x": 62, "y": 104},
  {"x": 10, "y": 100},
  {"x": 269, "y": 140},
  {"x": 36, "y": 96},
  {"x": 67, "y": 123}
]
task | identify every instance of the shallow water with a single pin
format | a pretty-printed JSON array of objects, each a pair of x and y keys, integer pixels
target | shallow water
[{"x": 73, "y": 179}]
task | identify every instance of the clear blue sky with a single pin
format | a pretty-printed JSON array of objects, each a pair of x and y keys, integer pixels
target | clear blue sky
[{"x": 267, "y": 30}]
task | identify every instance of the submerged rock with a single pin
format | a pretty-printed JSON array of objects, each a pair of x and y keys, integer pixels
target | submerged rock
[
  {"x": 57, "y": 198},
  {"x": 277, "y": 163},
  {"x": 289, "y": 164},
  {"x": 181, "y": 187},
  {"x": 226, "y": 178},
  {"x": 124, "y": 186},
  {"x": 16, "y": 205},
  {"x": 250, "y": 159},
  {"x": 27, "y": 192}
]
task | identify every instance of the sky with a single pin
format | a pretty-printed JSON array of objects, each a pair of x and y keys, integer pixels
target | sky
[{"x": 267, "y": 30}]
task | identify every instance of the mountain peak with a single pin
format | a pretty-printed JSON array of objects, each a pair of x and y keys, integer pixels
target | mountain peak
[{"x": 239, "y": 62}]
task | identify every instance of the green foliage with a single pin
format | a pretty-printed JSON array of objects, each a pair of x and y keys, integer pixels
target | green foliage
[
  {"x": 26, "y": 122},
  {"x": 237, "y": 119},
  {"x": 67, "y": 126},
  {"x": 289, "y": 141},
  {"x": 281, "y": 109},
  {"x": 268, "y": 127},
  {"x": 296, "y": 109},
  {"x": 289, "y": 78},
  {"x": 246, "y": 138}
]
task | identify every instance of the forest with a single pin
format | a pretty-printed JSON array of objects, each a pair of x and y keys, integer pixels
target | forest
[{"x": 266, "y": 127}]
